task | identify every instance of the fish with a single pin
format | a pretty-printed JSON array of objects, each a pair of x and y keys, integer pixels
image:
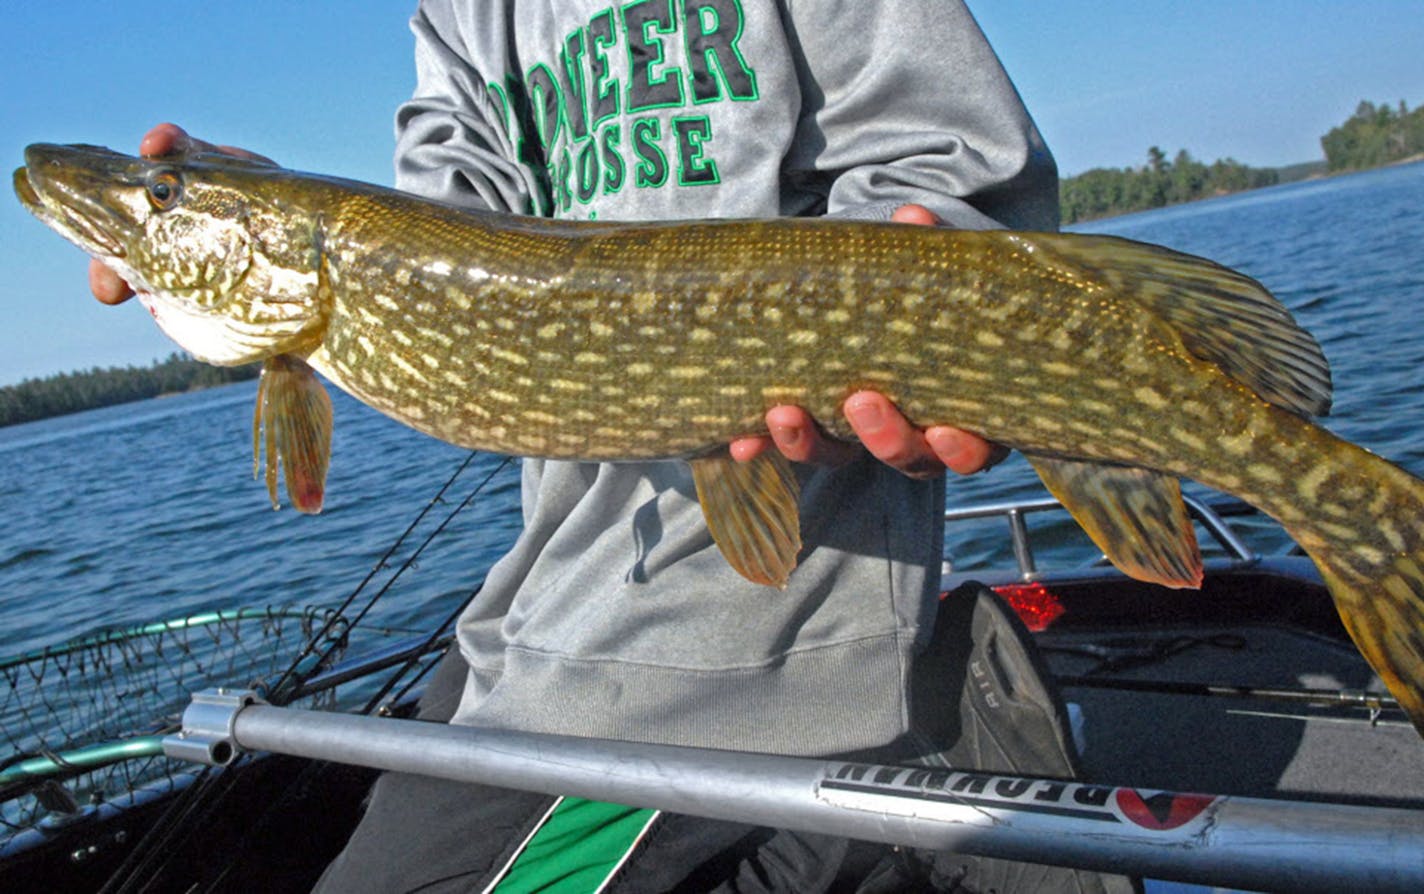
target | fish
[{"x": 1116, "y": 367}]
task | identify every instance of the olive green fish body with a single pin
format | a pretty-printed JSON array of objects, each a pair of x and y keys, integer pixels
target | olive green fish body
[{"x": 1115, "y": 367}]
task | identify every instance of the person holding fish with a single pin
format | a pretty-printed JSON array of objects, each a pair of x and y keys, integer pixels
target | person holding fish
[{"x": 615, "y": 615}]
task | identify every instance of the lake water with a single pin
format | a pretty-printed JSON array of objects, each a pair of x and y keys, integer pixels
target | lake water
[{"x": 149, "y": 510}]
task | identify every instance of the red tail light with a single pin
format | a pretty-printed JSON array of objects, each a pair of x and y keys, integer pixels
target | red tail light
[{"x": 1035, "y": 605}]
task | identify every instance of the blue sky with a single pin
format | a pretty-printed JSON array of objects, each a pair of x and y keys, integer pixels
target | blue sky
[{"x": 315, "y": 84}]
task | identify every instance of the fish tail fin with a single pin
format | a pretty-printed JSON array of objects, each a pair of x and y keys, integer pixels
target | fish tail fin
[{"x": 1366, "y": 536}]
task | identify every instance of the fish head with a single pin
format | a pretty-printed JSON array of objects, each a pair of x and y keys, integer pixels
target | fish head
[{"x": 212, "y": 245}]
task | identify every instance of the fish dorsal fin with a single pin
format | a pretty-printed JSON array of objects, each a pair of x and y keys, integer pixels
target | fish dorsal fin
[
  {"x": 1135, "y": 516},
  {"x": 293, "y": 422},
  {"x": 752, "y": 511},
  {"x": 1222, "y": 316}
]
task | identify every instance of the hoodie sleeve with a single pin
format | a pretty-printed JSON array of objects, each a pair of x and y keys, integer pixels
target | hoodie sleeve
[
  {"x": 905, "y": 101},
  {"x": 453, "y": 136}
]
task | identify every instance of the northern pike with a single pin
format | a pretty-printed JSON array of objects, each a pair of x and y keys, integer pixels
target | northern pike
[{"x": 1114, "y": 366}]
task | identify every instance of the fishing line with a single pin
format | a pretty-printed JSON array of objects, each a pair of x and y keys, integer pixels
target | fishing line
[
  {"x": 156, "y": 848},
  {"x": 289, "y": 678}
]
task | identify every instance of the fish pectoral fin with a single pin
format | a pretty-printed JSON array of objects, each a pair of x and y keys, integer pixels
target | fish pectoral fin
[
  {"x": 293, "y": 422},
  {"x": 1135, "y": 516},
  {"x": 752, "y": 510}
]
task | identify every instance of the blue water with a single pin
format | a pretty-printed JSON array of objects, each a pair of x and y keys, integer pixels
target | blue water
[{"x": 149, "y": 510}]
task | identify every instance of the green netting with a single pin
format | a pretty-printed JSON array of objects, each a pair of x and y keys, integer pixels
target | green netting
[{"x": 90, "y": 710}]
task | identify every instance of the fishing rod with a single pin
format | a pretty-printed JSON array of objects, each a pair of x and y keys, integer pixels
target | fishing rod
[
  {"x": 1376, "y": 703},
  {"x": 1251, "y": 843}
]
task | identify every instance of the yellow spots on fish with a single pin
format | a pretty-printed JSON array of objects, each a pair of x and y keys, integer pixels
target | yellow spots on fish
[
  {"x": 503, "y": 397},
  {"x": 589, "y": 358},
  {"x": 601, "y": 330},
  {"x": 386, "y": 302},
  {"x": 365, "y": 345},
  {"x": 710, "y": 420},
  {"x": 988, "y": 339},
  {"x": 1309, "y": 483},
  {"x": 750, "y": 343},
  {"x": 645, "y": 401},
  {"x": 836, "y": 315},
  {"x": 1236, "y": 445},
  {"x": 402, "y": 275},
  {"x": 1150, "y": 398},
  {"x": 707, "y": 310},
  {"x": 508, "y": 356},
  {"x": 568, "y": 385},
  {"x": 639, "y": 369},
  {"x": 457, "y": 298},
  {"x": 902, "y": 327},
  {"x": 1189, "y": 438},
  {"x": 406, "y": 366},
  {"x": 772, "y": 314},
  {"x": 1390, "y": 532},
  {"x": 539, "y": 417},
  {"x": 550, "y": 330},
  {"x": 732, "y": 391},
  {"x": 687, "y": 372},
  {"x": 855, "y": 342},
  {"x": 1059, "y": 368},
  {"x": 803, "y": 337},
  {"x": 782, "y": 394},
  {"x": 700, "y": 335}
]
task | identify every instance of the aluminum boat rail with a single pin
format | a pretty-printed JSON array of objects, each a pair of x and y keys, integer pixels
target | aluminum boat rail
[
  {"x": 1252, "y": 843},
  {"x": 1015, "y": 512}
]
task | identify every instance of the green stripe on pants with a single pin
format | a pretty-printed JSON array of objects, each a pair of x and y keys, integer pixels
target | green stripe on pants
[{"x": 576, "y": 848}]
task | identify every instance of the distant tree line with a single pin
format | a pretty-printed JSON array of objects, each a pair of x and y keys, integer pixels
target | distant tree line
[
  {"x": 1104, "y": 191},
  {"x": 1375, "y": 135},
  {"x": 56, "y": 395}
]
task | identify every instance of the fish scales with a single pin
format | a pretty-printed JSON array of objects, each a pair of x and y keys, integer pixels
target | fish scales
[
  {"x": 1114, "y": 366},
  {"x": 763, "y": 297}
]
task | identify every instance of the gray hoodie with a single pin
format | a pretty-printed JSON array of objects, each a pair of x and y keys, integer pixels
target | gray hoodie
[{"x": 614, "y": 615}]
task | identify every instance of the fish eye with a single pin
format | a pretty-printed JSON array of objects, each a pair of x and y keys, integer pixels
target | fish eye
[{"x": 164, "y": 190}]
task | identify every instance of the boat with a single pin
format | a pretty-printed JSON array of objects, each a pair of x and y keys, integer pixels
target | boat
[{"x": 1248, "y": 690}]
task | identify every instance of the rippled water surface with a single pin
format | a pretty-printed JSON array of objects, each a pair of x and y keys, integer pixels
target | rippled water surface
[{"x": 149, "y": 510}]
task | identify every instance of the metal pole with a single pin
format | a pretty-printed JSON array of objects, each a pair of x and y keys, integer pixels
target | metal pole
[{"x": 1221, "y": 840}]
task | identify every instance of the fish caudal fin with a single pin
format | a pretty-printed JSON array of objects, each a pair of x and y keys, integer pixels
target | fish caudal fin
[
  {"x": 1366, "y": 536},
  {"x": 752, "y": 510},
  {"x": 293, "y": 422}
]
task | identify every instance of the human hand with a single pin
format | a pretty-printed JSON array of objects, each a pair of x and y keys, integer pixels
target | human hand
[
  {"x": 879, "y": 425},
  {"x": 165, "y": 139}
]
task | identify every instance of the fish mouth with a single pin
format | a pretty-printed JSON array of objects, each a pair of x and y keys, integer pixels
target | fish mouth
[{"x": 67, "y": 187}]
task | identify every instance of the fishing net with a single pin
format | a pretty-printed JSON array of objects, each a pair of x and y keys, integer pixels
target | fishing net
[{"x": 92, "y": 711}]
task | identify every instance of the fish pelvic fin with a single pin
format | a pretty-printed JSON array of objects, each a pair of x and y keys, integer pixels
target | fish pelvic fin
[
  {"x": 292, "y": 426},
  {"x": 1135, "y": 516},
  {"x": 1366, "y": 536},
  {"x": 752, "y": 510}
]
